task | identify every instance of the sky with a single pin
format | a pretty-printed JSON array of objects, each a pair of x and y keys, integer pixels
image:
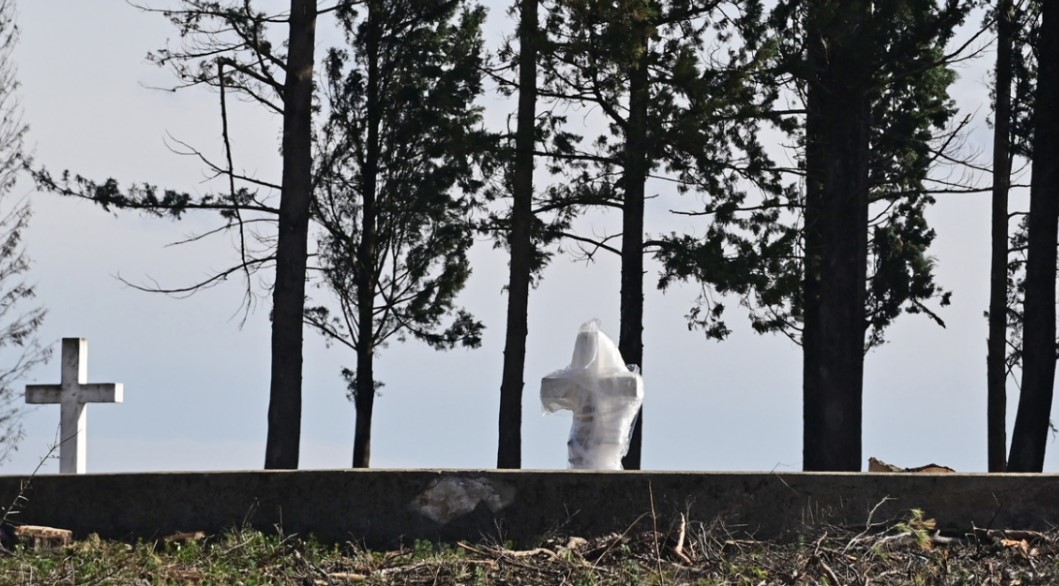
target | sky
[{"x": 195, "y": 370}]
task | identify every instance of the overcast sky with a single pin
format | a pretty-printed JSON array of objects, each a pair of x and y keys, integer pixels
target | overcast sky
[{"x": 196, "y": 374}]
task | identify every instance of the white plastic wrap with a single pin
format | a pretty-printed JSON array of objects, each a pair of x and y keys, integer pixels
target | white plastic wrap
[{"x": 604, "y": 395}]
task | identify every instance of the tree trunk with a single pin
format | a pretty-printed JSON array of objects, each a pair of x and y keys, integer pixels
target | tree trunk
[
  {"x": 836, "y": 235},
  {"x": 1038, "y": 341},
  {"x": 509, "y": 451},
  {"x": 288, "y": 297},
  {"x": 630, "y": 339},
  {"x": 367, "y": 271},
  {"x": 364, "y": 400},
  {"x": 996, "y": 367}
]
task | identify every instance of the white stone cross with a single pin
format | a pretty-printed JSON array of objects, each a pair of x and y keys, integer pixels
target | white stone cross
[
  {"x": 604, "y": 396},
  {"x": 73, "y": 393}
]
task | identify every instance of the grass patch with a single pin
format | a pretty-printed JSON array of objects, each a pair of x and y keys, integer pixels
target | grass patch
[{"x": 907, "y": 552}]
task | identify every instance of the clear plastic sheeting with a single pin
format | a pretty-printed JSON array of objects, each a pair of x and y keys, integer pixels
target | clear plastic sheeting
[
  {"x": 451, "y": 497},
  {"x": 604, "y": 395}
]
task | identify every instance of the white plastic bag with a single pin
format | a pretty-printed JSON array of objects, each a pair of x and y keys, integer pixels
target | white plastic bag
[{"x": 604, "y": 395}]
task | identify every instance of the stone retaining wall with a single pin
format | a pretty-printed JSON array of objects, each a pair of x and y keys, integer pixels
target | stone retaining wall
[{"x": 383, "y": 508}]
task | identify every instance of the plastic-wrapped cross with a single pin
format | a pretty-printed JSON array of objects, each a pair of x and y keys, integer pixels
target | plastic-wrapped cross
[
  {"x": 73, "y": 392},
  {"x": 604, "y": 395}
]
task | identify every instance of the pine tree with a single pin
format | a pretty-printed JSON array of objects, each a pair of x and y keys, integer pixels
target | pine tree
[
  {"x": 19, "y": 323},
  {"x": 670, "y": 107},
  {"x": 282, "y": 446},
  {"x": 225, "y": 45},
  {"x": 813, "y": 264},
  {"x": 996, "y": 367},
  {"x": 397, "y": 177},
  {"x": 509, "y": 448},
  {"x": 1029, "y": 437}
]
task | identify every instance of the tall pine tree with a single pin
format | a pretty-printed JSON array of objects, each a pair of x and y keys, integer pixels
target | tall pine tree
[
  {"x": 669, "y": 105},
  {"x": 288, "y": 292},
  {"x": 996, "y": 359},
  {"x": 812, "y": 263},
  {"x": 227, "y": 45},
  {"x": 520, "y": 244},
  {"x": 397, "y": 177},
  {"x": 1028, "y": 439}
]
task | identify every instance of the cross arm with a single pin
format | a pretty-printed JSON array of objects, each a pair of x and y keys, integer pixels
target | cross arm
[
  {"x": 101, "y": 393},
  {"x": 40, "y": 394},
  {"x": 88, "y": 393}
]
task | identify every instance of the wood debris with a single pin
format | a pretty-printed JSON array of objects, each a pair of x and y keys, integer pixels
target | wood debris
[
  {"x": 38, "y": 536},
  {"x": 185, "y": 537},
  {"x": 877, "y": 465}
]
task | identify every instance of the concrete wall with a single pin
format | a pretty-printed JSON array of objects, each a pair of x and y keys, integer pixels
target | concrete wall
[{"x": 382, "y": 508}]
